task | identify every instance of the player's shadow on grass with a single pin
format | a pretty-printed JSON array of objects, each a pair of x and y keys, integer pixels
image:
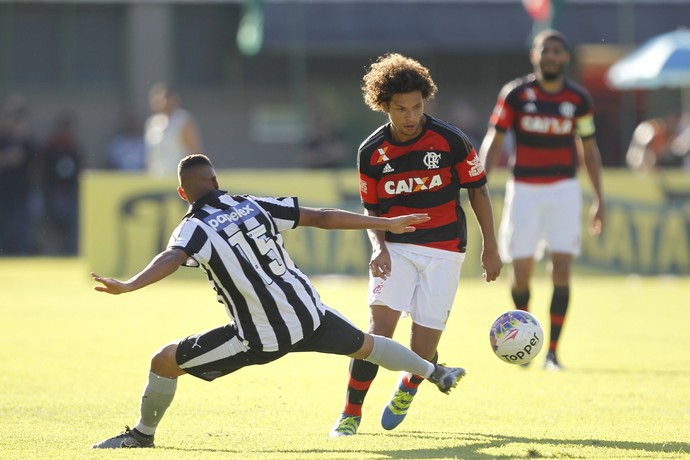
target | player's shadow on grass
[
  {"x": 467, "y": 445},
  {"x": 479, "y": 445}
]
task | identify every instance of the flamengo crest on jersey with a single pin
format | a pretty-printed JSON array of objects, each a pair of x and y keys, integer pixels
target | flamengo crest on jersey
[{"x": 431, "y": 160}]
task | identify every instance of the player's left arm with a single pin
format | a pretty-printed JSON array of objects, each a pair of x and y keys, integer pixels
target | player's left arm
[
  {"x": 162, "y": 266},
  {"x": 590, "y": 157},
  {"x": 480, "y": 200}
]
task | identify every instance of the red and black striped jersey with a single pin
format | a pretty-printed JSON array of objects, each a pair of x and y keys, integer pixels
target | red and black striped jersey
[
  {"x": 424, "y": 174},
  {"x": 545, "y": 126}
]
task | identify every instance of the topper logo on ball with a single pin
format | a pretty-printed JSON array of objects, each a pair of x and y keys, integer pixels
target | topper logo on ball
[{"x": 526, "y": 351}]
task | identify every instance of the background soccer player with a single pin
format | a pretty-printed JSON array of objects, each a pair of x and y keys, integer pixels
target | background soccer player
[
  {"x": 551, "y": 118},
  {"x": 414, "y": 163}
]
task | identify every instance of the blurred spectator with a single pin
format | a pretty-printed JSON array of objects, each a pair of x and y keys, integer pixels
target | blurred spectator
[
  {"x": 17, "y": 155},
  {"x": 170, "y": 132},
  {"x": 464, "y": 115},
  {"x": 325, "y": 148},
  {"x": 60, "y": 168},
  {"x": 659, "y": 143},
  {"x": 126, "y": 150},
  {"x": 680, "y": 146}
]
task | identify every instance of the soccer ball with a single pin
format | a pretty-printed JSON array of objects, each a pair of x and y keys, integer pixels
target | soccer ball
[{"x": 516, "y": 337}]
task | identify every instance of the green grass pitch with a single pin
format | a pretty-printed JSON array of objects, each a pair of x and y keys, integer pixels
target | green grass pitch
[{"x": 74, "y": 363}]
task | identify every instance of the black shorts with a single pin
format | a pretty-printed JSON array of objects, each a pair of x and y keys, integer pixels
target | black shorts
[{"x": 221, "y": 351}]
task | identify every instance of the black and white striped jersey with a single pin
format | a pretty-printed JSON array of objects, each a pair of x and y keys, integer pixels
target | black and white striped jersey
[{"x": 236, "y": 240}]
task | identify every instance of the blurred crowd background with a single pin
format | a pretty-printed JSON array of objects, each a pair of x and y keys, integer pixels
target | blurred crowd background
[{"x": 276, "y": 84}]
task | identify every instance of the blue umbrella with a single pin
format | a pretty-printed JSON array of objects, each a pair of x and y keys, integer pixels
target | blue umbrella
[{"x": 661, "y": 62}]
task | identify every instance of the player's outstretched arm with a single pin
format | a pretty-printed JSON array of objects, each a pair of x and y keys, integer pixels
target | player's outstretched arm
[
  {"x": 163, "y": 265},
  {"x": 331, "y": 218}
]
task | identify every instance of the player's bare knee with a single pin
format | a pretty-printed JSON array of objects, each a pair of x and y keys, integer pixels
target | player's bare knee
[
  {"x": 366, "y": 348},
  {"x": 163, "y": 362},
  {"x": 560, "y": 270}
]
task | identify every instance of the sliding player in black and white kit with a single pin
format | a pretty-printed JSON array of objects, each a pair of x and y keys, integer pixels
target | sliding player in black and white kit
[{"x": 273, "y": 307}]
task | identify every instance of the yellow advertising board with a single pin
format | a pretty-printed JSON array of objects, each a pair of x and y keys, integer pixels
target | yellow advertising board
[{"x": 127, "y": 219}]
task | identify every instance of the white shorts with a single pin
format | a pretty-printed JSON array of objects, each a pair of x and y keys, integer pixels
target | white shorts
[
  {"x": 538, "y": 217},
  {"x": 422, "y": 284}
]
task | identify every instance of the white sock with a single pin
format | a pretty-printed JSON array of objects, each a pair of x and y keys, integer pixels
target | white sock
[
  {"x": 158, "y": 395},
  {"x": 395, "y": 357}
]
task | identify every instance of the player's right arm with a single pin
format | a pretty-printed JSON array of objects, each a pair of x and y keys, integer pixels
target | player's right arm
[
  {"x": 162, "y": 266},
  {"x": 380, "y": 264},
  {"x": 501, "y": 120},
  {"x": 334, "y": 218},
  {"x": 491, "y": 148}
]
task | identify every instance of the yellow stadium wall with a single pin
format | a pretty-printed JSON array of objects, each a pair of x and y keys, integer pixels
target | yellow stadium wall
[{"x": 127, "y": 219}]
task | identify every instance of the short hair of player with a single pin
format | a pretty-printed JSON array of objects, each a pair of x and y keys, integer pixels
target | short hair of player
[
  {"x": 549, "y": 34},
  {"x": 392, "y": 74},
  {"x": 190, "y": 161}
]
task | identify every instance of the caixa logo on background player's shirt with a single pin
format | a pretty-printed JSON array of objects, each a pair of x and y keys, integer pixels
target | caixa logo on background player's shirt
[
  {"x": 546, "y": 125},
  {"x": 221, "y": 219}
]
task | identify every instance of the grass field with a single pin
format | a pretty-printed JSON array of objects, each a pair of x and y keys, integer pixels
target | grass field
[{"x": 74, "y": 362}]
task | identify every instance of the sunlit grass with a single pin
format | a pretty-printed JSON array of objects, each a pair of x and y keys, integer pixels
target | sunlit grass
[{"x": 75, "y": 361}]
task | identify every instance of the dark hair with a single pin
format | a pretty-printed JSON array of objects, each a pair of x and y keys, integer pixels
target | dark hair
[
  {"x": 190, "y": 161},
  {"x": 393, "y": 74},
  {"x": 549, "y": 34}
]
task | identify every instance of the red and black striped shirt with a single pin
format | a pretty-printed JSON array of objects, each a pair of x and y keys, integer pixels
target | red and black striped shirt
[
  {"x": 545, "y": 126},
  {"x": 424, "y": 174}
]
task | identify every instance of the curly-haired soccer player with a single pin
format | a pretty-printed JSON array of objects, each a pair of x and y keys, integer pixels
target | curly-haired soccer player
[{"x": 413, "y": 163}]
